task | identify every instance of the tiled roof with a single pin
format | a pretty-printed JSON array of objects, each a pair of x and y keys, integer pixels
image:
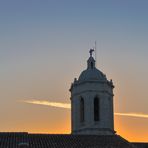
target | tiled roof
[
  {"x": 141, "y": 145},
  {"x": 24, "y": 140}
]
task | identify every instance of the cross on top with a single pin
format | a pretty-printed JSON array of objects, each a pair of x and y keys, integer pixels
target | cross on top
[{"x": 91, "y": 51}]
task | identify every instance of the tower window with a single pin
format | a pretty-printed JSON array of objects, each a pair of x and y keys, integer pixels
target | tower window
[
  {"x": 81, "y": 110},
  {"x": 96, "y": 109},
  {"x": 92, "y": 65}
]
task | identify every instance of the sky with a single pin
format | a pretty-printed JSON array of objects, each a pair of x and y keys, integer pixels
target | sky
[{"x": 44, "y": 45}]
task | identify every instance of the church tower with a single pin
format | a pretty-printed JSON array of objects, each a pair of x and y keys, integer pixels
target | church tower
[{"x": 92, "y": 102}]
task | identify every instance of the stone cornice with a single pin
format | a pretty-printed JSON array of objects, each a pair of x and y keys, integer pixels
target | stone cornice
[{"x": 102, "y": 91}]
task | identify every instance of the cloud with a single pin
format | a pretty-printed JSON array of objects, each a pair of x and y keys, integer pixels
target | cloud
[
  {"x": 47, "y": 103},
  {"x": 68, "y": 106},
  {"x": 139, "y": 115}
]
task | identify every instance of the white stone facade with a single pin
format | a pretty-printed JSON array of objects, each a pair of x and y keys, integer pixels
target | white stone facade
[{"x": 89, "y": 116}]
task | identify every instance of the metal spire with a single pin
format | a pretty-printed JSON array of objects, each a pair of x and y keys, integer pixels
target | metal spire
[{"x": 96, "y": 52}]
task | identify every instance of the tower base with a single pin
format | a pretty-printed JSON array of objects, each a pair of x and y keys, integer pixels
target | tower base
[{"x": 94, "y": 131}]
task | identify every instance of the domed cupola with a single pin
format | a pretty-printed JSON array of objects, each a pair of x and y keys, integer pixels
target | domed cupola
[{"x": 91, "y": 73}]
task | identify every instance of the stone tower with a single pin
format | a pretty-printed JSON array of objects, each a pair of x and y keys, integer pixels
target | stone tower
[{"x": 92, "y": 102}]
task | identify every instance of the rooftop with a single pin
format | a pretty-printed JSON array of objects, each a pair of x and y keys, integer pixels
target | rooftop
[{"x": 24, "y": 140}]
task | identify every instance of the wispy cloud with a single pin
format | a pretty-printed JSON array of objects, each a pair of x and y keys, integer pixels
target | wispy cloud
[
  {"x": 68, "y": 106},
  {"x": 47, "y": 103},
  {"x": 139, "y": 115}
]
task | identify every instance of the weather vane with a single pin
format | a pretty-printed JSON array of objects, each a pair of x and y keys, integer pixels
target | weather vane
[{"x": 91, "y": 51}]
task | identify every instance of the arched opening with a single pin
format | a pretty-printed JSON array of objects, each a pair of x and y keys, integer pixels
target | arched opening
[
  {"x": 92, "y": 65},
  {"x": 96, "y": 109},
  {"x": 81, "y": 110}
]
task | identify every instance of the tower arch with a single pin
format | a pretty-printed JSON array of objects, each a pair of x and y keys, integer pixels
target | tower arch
[
  {"x": 96, "y": 108},
  {"x": 82, "y": 112}
]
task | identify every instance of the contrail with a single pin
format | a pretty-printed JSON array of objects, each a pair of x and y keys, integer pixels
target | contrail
[
  {"x": 54, "y": 104},
  {"x": 139, "y": 115},
  {"x": 68, "y": 106}
]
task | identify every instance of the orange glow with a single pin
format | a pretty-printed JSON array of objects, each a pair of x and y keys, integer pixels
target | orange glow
[
  {"x": 130, "y": 131},
  {"x": 122, "y": 128},
  {"x": 131, "y": 126}
]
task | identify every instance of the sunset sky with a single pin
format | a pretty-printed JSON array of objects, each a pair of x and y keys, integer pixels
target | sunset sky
[{"x": 44, "y": 45}]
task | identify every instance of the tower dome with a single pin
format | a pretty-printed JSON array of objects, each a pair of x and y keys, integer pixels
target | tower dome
[{"x": 91, "y": 73}]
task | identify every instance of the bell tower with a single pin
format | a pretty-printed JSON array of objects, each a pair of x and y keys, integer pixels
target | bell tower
[{"x": 92, "y": 102}]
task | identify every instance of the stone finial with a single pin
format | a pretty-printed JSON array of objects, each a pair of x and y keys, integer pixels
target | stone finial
[{"x": 91, "y": 51}]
